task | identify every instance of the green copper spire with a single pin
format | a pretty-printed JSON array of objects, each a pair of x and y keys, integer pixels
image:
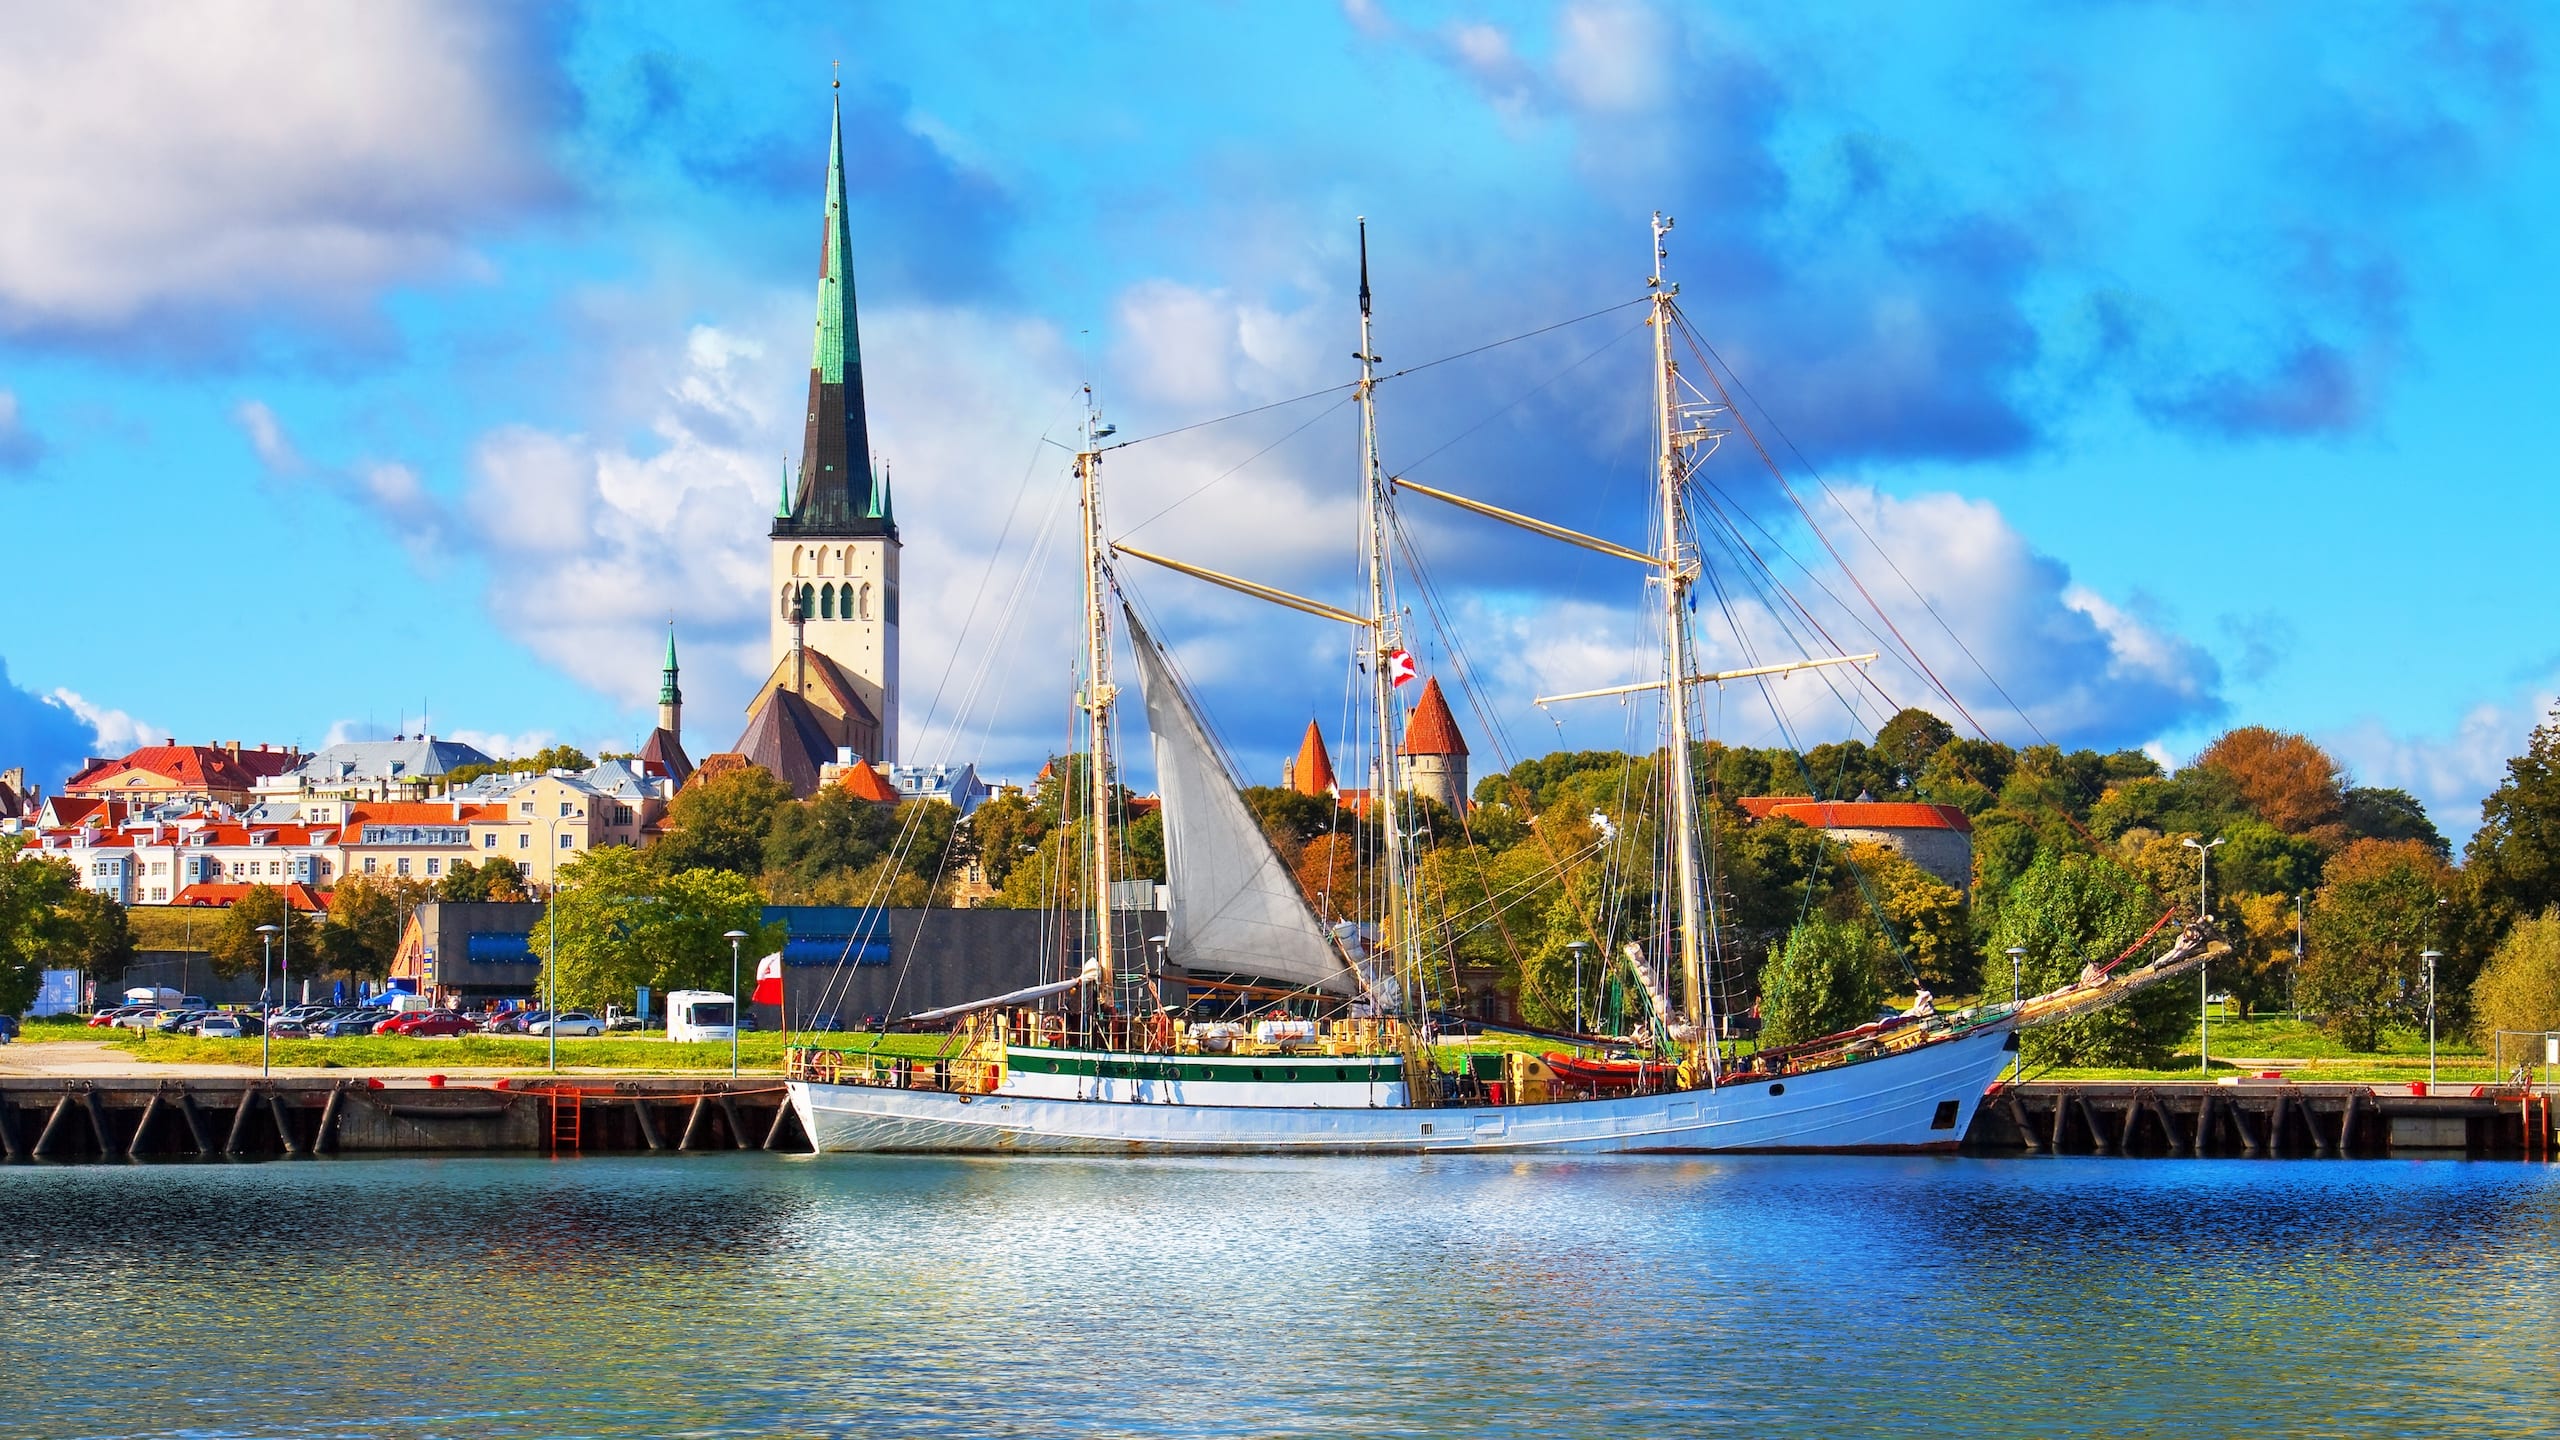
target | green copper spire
[
  {"x": 837, "y": 494},
  {"x": 782, "y": 506},
  {"x": 668, "y": 694}
]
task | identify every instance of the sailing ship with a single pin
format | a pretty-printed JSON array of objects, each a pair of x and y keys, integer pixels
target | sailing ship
[{"x": 1344, "y": 1059}]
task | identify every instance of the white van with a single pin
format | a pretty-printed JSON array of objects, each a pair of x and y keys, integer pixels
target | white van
[{"x": 701, "y": 1015}]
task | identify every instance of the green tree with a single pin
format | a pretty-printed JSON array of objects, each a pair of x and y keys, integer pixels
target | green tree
[
  {"x": 492, "y": 880},
  {"x": 624, "y": 922},
  {"x": 1966, "y": 773},
  {"x": 32, "y": 896},
  {"x": 2519, "y": 989},
  {"x": 722, "y": 823},
  {"x": 2514, "y": 857},
  {"x": 1001, "y": 831},
  {"x": 366, "y": 914},
  {"x": 2069, "y": 911},
  {"x": 95, "y": 934},
  {"x": 2381, "y": 814},
  {"x": 1821, "y": 981},
  {"x": 2380, "y": 905},
  {"x": 238, "y": 949},
  {"x": 1907, "y": 742},
  {"x": 541, "y": 762}
]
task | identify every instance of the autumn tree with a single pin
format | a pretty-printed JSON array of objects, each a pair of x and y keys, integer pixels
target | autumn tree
[
  {"x": 1908, "y": 741},
  {"x": 2519, "y": 989},
  {"x": 2514, "y": 857},
  {"x": 2069, "y": 911},
  {"x": 2380, "y": 905},
  {"x": 361, "y": 935},
  {"x": 238, "y": 949},
  {"x": 2282, "y": 778},
  {"x": 1336, "y": 879},
  {"x": 491, "y": 881}
]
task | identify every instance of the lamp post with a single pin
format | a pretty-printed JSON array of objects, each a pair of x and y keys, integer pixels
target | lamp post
[
  {"x": 2017, "y": 955},
  {"x": 2204, "y": 982},
  {"x": 2293, "y": 982},
  {"x": 266, "y": 1042},
  {"x": 737, "y": 1008},
  {"x": 551, "y": 968},
  {"x": 2431, "y": 957}
]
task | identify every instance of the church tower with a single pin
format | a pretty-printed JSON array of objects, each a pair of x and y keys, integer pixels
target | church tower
[
  {"x": 670, "y": 696},
  {"x": 835, "y": 539}
]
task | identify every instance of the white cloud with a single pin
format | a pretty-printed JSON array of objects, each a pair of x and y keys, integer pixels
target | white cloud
[
  {"x": 1613, "y": 56},
  {"x": 2450, "y": 771},
  {"x": 256, "y": 152},
  {"x": 266, "y": 436},
  {"x": 118, "y": 732},
  {"x": 414, "y": 514},
  {"x": 20, "y": 447}
]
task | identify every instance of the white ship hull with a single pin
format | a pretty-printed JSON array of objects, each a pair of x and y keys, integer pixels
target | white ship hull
[{"x": 1896, "y": 1103}]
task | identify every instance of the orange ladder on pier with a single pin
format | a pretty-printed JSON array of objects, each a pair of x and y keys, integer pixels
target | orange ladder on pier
[{"x": 568, "y": 1119}]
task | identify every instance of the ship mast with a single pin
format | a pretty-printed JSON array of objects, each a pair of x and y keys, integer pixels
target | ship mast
[
  {"x": 1395, "y": 916},
  {"x": 1680, "y": 570},
  {"x": 1098, "y": 694}
]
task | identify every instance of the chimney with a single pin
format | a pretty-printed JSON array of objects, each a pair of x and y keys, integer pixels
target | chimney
[{"x": 171, "y": 740}]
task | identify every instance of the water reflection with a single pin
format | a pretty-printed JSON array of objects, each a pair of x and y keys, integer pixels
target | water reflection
[{"x": 738, "y": 1295}]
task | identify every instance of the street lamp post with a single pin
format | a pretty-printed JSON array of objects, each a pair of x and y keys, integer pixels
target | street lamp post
[
  {"x": 2293, "y": 982},
  {"x": 551, "y": 969},
  {"x": 2017, "y": 955},
  {"x": 2204, "y": 982},
  {"x": 2431, "y": 957},
  {"x": 266, "y": 1007},
  {"x": 737, "y": 1007}
]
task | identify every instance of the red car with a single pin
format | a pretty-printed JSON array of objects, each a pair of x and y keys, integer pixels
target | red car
[{"x": 426, "y": 1022}]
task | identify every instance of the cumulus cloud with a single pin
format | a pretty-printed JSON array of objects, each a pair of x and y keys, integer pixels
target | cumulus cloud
[
  {"x": 20, "y": 447},
  {"x": 49, "y": 735},
  {"x": 2452, "y": 770},
  {"x": 414, "y": 514},
  {"x": 220, "y": 158}
]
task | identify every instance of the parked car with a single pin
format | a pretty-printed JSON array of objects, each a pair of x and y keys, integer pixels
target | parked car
[
  {"x": 137, "y": 1019},
  {"x": 176, "y": 1022},
  {"x": 8, "y": 1028},
  {"x": 571, "y": 1022},
  {"x": 621, "y": 1024},
  {"x": 109, "y": 1017},
  {"x": 514, "y": 1022},
  {"x": 354, "y": 1022},
  {"x": 426, "y": 1022},
  {"x": 824, "y": 1020},
  {"x": 219, "y": 1026}
]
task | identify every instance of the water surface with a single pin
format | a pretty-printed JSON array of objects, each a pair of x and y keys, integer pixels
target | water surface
[{"x": 758, "y": 1295}]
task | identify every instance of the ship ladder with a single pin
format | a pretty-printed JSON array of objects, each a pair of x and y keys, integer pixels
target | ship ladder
[{"x": 568, "y": 1119}]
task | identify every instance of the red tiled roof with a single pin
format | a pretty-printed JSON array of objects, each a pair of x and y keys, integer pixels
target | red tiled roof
[
  {"x": 1858, "y": 814},
  {"x": 224, "y": 895},
  {"x": 188, "y": 767},
  {"x": 1433, "y": 730},
  {"x": 864, "y": 783},
  {"x": 423, "y": 812},
  {"x": 1312, "y": 772}
]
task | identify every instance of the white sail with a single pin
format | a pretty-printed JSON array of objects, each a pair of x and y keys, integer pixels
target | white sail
[{"x": 1236, "y": 910}]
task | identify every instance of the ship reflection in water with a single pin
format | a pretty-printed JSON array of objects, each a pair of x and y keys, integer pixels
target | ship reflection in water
[{"x": 750, "y": 1295}]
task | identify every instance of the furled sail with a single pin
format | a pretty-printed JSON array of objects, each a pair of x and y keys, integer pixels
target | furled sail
[{"x": 1236, "y": 910}]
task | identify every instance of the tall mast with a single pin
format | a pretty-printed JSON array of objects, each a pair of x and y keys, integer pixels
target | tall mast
[
  {"x": 1384, "y": 642},
  {"x": 1679, "y": 572},
  {"x": 1097, "y": 698}
]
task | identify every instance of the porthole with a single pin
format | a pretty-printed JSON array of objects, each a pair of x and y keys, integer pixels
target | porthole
[{"x": 1778, "y": 1089}]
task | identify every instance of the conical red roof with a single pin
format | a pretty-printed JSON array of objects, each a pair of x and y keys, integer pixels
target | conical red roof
[
  {"x": 864, "y": 783},
  {"x": 1312, "y": 772},
  {"x": 1433, "y": 730}
]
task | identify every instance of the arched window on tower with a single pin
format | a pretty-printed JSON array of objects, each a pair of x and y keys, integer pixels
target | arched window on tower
[
  {"x": 826, "y": 602},
  {"x": 798, "y": 553},
  {"x": 808, "y": 600},
  {"x": 866, "y": 601}
]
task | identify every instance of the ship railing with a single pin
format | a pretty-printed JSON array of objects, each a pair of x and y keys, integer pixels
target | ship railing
[{"x": 959, "y": 1076}]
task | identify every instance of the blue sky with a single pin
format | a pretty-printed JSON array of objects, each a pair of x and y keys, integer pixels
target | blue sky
[{"x": 355, "y": 361}]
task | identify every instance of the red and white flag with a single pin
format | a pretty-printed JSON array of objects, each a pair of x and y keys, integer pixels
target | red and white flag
[
  {"x": 1399, "y": 666},
  {"x": 768, "y": 980}
]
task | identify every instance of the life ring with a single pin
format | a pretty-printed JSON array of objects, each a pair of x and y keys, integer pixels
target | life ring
[
  {"x": 1160, "y": 1030},
  {"x": 1053, "y": 1029}
]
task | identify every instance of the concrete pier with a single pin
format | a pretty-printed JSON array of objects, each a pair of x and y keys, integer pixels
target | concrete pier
[
  {"x": 120, "y": 1119},
  {"x": 2173, "y": 1119}
]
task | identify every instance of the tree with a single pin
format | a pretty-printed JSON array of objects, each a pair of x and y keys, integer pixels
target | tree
[
  {"x": 2069, "y": 911},
  {"x": 95, "y": 934},
  {"x": 1000, "y": 832},
  {"x": 540, "y": 762},
  {"x": 2380, "y": 814},
  {"x": 238, "y": 949},
  {"x": 2514, "y": 857},
  {"x": 2379, "y": 906},
  {"x": 2282, "y": 777},
  {"x": 1821, "y": 981},
  {"x": 722, "y": 823},
  {"x": 1926, "y": 915},
  {"x": 2519, "y": 989},
  {"x": 32, "y": 894},
  {"x": 366, "y": 912},
  {"x": 1906, "y": 743},
  {"x": 491, "y": 881},
  {"x": 1334, "y": 877},
  {"x": 831, "y": 833},
  {"x": 624, "y": 922}
]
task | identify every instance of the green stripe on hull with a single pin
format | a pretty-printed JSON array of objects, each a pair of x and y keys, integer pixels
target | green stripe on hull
[{"x": 1374, "y": 1070}]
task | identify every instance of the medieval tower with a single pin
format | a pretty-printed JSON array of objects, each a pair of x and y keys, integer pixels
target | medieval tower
[{"x": 834, "y": 539}]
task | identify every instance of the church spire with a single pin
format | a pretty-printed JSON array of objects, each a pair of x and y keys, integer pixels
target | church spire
[
  {"x": 837, "y": 495},
  {"x": 670, "y": 697}
]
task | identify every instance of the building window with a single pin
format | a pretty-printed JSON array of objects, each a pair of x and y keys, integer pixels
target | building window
[
  {"x": 368, "y": 864},
  {"x": 489, "y": 840},
  {"x": 808, "y": 600},
  {"x": 404, "y": 864},
  {"x": 159, "y": 892},
  {"x": 524, "y": 867},
  {"x": 324, "y": 869},
  {"x": 435, "y": 865},
  {"x": 525, "y": 841},
  {"x": 866, "y": 602},
  {"x": 568, "y": 842},
  {"x": 826, "y": 602}
]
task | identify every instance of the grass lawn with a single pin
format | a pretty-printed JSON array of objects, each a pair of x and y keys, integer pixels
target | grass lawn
[
  {"x": 2302, "y": 1050},
  {"x": 761, "y": 1053}
]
